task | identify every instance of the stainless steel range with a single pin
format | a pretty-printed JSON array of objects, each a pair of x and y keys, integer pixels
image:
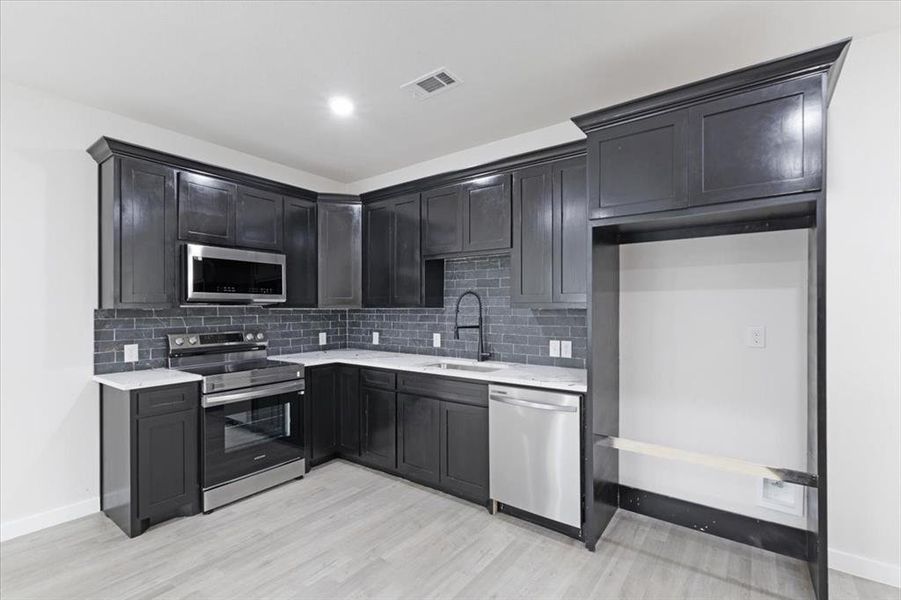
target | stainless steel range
[{"x": 252, "y": 422}]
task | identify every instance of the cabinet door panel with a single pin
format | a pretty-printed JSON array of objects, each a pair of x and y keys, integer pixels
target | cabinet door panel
[
  {"x": 417, "y": 437},
  {"x": 377, "y": 254},
  {"x": 638, "y": 167},
  {"x": 206, "y": 209},
  {"x": 167, "y": 462},
  {"x": 147, "y": 232},
  {"x": 571, "y": 231},
  {"x": 340, "y": 254},
  {"x": 379, "y": 434},
  {"x": 442, "y": 220},
  {"x": 487, "y": 213},
  {"x": 324, "y": 411},
  {"x": 406, "y": 263},
  {"x": 300, "y": 252},
  {"x": 764, "y": 142},
  {"x": 259, "y": 219},
  {"x": 530, "y": 261},
  {"x": 349, "y": 410},
  {"x": 464, "y": 450}
]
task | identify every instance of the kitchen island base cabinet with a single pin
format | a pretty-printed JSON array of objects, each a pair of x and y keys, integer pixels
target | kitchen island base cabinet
[
  {"x": 149, "y": 455},
  {"x": 378, "y": 428}
]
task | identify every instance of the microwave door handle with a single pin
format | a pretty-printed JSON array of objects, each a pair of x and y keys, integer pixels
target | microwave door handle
[{"x": 258, "y": 392}]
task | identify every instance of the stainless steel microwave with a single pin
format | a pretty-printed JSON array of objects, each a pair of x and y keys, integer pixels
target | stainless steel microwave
[{"x": 228, "y": 275}]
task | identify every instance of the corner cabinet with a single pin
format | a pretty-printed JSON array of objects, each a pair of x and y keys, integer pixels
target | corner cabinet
[
  {"x": 149, "y": 455},
  {"x": 138, "y": 230},
  {"x": 549, "y": 261},
  {"x": 392, "y": 270},
  {"x": 340, "y": 251}
]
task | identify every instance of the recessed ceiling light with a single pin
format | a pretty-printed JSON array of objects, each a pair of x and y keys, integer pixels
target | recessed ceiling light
[{"x": 341, "y": 106}]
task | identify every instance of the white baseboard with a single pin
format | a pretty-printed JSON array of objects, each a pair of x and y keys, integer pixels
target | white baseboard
[
  {"x": 867, "y": 568},
  {"x": 13, "y": 529}
]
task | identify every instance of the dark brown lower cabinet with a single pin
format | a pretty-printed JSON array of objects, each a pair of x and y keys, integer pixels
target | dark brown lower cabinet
[
  {"x": 323, "y": 402},
  {"x": 417, "y": 437},
  {"x": 463, "y": 443},
  {"x": 349, "y": 411},
  {"x": 378, "y": 410},
  {"x": 149, "y": 455}
]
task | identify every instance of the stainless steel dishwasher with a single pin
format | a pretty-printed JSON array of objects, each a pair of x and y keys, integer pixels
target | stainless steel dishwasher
[{"x": 534, "y": 452}]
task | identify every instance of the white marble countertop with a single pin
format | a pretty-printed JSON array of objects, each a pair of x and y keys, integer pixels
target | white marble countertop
[
  {"x": 146, "y": 378},
  {"x": 557, "y": 378}
]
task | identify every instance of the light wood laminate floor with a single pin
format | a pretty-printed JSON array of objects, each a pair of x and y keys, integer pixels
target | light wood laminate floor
[{"x": 349, "y": 532}]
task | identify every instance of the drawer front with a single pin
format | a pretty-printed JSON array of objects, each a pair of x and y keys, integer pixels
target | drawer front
[
  {"x": 157, "y": 401},
  {"x": 381, "y": 379},
  {"x": 464, "y": 392}
]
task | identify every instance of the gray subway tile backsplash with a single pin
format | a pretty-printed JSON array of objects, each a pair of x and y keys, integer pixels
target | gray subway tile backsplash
[{"x": 511, "y": 334}]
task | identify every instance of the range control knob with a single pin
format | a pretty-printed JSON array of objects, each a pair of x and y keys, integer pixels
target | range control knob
[
  {"x": 260, "y": 336},
  {"x": 179, "y": 341},
  {"x": 248, "y": 337},
  {"x": 192, "y": 340}
]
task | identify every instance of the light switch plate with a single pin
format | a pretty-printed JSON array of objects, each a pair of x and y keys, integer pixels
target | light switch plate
[
  {"x": 436, "y": 340},
  {"x": 131, "y": 352},
  {"x": 322, "y": 338},
  {"x": 554, "y": 348},
  {"x": 566, "y": 349},
  {"x": 375, "y": 338}
]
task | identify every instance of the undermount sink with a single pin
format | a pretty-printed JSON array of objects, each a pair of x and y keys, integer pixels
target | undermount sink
[{"x": 464, "y": 367}]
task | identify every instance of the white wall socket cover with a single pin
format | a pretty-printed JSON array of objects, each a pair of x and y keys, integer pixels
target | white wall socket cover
[
  {"x": 756, "y": 336},
  {"x": 554, "y": 348},
  {"x": 566, "y": 349},
  {"x": 131, "y": 352},
  {"x": 436, "y": 340},
  {"x": 781, "y": 496},
  {"x": 322, "y": 338},
  {"x": 375, "y": 338}
]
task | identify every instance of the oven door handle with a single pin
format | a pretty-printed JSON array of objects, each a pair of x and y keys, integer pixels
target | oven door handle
[{"x": 261, "y": 391}]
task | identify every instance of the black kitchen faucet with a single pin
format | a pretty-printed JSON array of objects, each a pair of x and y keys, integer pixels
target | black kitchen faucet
[{"x": 481, "y": 354}]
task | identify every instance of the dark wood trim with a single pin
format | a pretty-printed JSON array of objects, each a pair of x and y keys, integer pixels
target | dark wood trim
[
  {"x": 519, "y": 161},
  {"x": 775, "y": 537},
  {"x": 821, "y": 59},
  {"x": 338, "y": 198},
  {"x": 106, "y": 147}
]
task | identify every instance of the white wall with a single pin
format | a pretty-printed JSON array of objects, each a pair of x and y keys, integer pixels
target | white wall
[
  {"x": 49, "y": 445},
  {"x": 863, "y": 303},
  {"x": 688, "y": 380}
]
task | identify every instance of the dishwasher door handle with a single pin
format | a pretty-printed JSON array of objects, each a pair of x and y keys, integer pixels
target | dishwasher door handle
[{"x": 537, "y": 405}]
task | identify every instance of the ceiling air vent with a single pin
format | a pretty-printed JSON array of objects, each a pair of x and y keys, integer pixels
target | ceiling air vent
[{"x": 432, "y": 83}]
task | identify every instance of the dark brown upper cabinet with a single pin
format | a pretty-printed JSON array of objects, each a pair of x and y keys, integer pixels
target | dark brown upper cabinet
[
  {"x": 206, "y": 209},
  {"x": 259, "y": 221},
  {"x": 392, "y": 269},
  {"x": 138, "y": 229},
  {"x": 300, "y": 252},
  {"x": 487, "y": 213},
  {"x": 340, "y": 251},
  {"x": 760, "y": 143},
  {"x": 549, "y": 261},
  {"x": 639, "y": 167},
  {"x": 442, "y": 220}
]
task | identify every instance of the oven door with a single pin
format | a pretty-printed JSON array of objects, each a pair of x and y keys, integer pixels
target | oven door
[
  {"x": 215, "y": 274},
  {"x": 250, "y": 430}
]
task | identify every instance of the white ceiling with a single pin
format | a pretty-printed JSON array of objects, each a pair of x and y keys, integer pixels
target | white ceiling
[{"x": 255, "y": 76}]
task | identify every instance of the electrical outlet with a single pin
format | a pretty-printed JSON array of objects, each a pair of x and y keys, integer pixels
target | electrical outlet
[
  {"x": 566, "y": 349},
  {"x": 781, "y": 496},
  {"x": 554, "y": 348},
  {"x": 131, "y": 352},
  {"x": 756, "y": 337},
  {"x": 436, "y": 340},
  {"x": 375, "y": 338},
  {"x": 322, "y": 338}
]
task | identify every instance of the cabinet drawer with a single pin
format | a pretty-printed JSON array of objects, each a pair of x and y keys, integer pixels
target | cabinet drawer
[
  {"x": 382, "y": 379},
  {"x": 445, "y": 389},
  {"x": 156, "y": 401}
]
